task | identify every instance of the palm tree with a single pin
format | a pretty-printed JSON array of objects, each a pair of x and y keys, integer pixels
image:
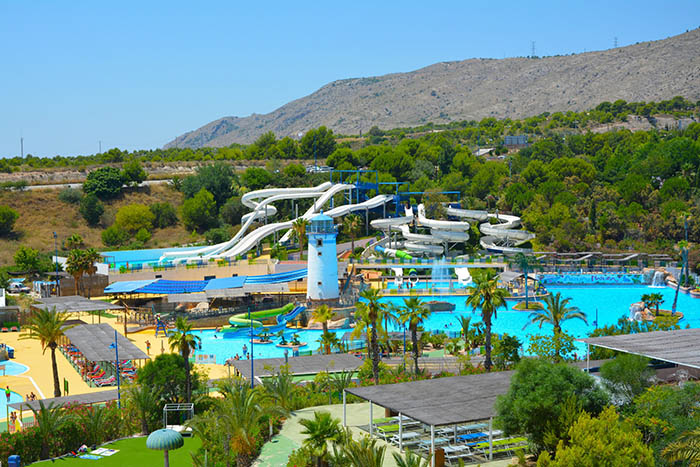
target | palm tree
[
  {"x": 143, "y": 399},
  {"x": 374, "y": 313},
  {"x": 299, "y": 229},
  {"x": 686, "y": 449},
  {"x": 322, "y": 315},
  {"x": 683, "y": 246},
  {"x": 487, "y": 296},
  {"x": 351, "y": 226},
  {"x": 74, "y": 241},
  {"x": 75, "y": 266},
  {"x": 282, "y": 389},
  {"x": 556, "y": 311},
  {"x": 414, "y": 312},
  {"x": 464, "y": 323},
  {"x": 47, "y": 327},
  {"x": 49, "y": 421},
  {"x": 90, "y": 257},
  {"x": 653, "y": 300},
  {"x": 410, "y": 460},
  {"x": 364, "y": 452},
  {"x": 184, "y": 341},
  {"x": 93, "y": 419},
  {"x": 526, "y": 263},
  {"x": 341, "y": 381},
  {"x": 241, "y": 412},
  {"x": 319, "y": 430},
  {"x": 328, "y": 340}
]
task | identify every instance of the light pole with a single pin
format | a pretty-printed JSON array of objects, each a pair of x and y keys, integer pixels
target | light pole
[
  {"x": 115, "y": 346},
  {"x": 58, "y": 282},
  {"x": 252, "y": 358}
]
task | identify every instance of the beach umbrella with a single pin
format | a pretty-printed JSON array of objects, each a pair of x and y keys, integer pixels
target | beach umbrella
[{"x": 165, "y": 440}]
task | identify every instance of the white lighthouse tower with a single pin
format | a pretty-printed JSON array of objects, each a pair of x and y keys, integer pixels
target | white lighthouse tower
[{"x": 322, "y": 281}]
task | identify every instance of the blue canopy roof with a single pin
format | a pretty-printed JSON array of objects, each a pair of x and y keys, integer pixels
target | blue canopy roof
[
  {"x": 164, "y": 286},
  {"x": 127, "y": 286},
  {"x": 278, "y": 278},
  {"x": 226, "y": 283}
]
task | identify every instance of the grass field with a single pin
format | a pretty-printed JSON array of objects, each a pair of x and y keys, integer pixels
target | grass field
[{"x": 134, "y": 453}]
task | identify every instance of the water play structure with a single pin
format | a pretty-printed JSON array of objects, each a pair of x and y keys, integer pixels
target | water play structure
[{"x": 240, "y": 324}]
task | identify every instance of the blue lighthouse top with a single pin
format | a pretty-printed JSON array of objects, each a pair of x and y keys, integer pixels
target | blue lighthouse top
[{"x": 321, "y": 223}]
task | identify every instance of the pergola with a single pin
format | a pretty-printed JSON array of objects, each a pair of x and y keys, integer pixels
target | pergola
[
  {"x": 306, "y": 365},
  {"x": 679, "y": 347},
  {"x": 75, "y": 304},
  {"x": 437, "y": 402},
  {"x": 90, "y": 398}
]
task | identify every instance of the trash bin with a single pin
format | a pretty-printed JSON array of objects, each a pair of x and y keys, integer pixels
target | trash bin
[
  {"x": 10, "y": 352},
  {"x": 14, "y": 461}
]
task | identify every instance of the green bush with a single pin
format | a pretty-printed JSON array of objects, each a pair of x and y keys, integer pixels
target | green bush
[
  {"x": 114, "y": 236},
  {"x": 105, "y": 183},
  {"x": 164, "y": 215},
  {"x": 91, "y": 209},
  {"x": 143, "y": 235},
  {"x": 134, "y": 217},
  {"x": 8, "y": 216},
  {"x": 70, "y": 195},
  {"x": 199, "y": 212}
]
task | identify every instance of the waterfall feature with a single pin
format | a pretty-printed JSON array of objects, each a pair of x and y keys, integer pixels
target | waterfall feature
[
  {"x": 636, "y": 311},
  {"x": 440, "y": 274},
  {"x": 659, "y": 279}
]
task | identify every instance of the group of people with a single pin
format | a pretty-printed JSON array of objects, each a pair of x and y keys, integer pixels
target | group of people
[{"x": 30, "y": 397}]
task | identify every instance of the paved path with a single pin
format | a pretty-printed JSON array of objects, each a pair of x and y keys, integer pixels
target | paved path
[{"x": 79, "y": 185}]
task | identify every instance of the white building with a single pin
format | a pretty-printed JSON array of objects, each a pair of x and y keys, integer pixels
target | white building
[{"x": 322, "y": 281}]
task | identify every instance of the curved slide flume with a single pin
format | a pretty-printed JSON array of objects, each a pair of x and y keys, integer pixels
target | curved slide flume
[
  {"x": 241, "y": 320},
  {"x": 271, "y": 194},
  {"x": 250, "y": 240},
  {"x": 319, "y": 203},
  {"x": 501, "y": 237}
]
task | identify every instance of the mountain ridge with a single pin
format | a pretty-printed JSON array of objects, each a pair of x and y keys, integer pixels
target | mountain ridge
[{"x": 473, "y": 89}]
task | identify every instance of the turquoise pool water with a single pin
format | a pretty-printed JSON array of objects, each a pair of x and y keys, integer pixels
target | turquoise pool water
[
  {"x": 14, "y": 398},
  {"x": 12, "y": 368},
  {"x": 610, "y": 301}
]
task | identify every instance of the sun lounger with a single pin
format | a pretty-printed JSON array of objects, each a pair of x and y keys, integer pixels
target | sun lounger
[
  {"x": 408, "y": 438},
  {"x": 425, "y": 444}
]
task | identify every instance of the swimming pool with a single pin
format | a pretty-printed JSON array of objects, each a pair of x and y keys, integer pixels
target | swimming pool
[
  {"x": 14, "y": 398},
  {"x": 12, "y": 368},
  {"x": 606, "y": 303}
]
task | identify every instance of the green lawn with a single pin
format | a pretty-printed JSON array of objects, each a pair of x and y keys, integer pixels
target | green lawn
[{"x": 133, "y": 452}]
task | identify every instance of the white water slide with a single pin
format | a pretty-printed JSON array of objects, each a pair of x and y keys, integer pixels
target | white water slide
[
  {"x": 500, "y": 237},
  {"x": 242, "y": 242},
  {"x": 260, "y": 211}
]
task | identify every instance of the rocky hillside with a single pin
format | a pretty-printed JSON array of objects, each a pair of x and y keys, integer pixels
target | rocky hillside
[{"x": 474, "y": 89}]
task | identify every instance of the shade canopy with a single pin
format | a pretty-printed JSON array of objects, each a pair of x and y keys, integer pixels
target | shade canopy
[
  {"x": 165, "y": 439},
  {"x": 679, "y": 346},
  {"x": 95, "y": 342},
  {"x": 74, "y": 304},
  {"x": 442, "y": 401}
]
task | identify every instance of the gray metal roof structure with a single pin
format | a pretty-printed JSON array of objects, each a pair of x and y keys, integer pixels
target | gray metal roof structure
[
  {"x": 94, "y": 340},
  {"x": 74, "y": 304},
  {"x": 79, "y": 399},
  {"x": 441, "y": 401},
  {"x": 679, "y": 346},
  {"x": 394, "y": 336},
  {"x": 306, "y": 365}
]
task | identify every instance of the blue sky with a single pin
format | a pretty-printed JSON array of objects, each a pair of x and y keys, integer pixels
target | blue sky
[{"x": 137, "y": 74}]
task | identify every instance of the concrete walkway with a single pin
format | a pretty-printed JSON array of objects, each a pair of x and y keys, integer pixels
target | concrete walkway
[{"x": 276, "y": 452}]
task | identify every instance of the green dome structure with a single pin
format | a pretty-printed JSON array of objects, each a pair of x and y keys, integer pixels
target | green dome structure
[{"x": 165, "y": 440}]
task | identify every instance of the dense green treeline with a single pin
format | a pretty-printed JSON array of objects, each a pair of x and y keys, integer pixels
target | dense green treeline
[{"x": 321, "y": 142}]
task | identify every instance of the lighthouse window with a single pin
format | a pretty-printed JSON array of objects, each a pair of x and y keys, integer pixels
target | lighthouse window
[{"x": 319, "y": 242}]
